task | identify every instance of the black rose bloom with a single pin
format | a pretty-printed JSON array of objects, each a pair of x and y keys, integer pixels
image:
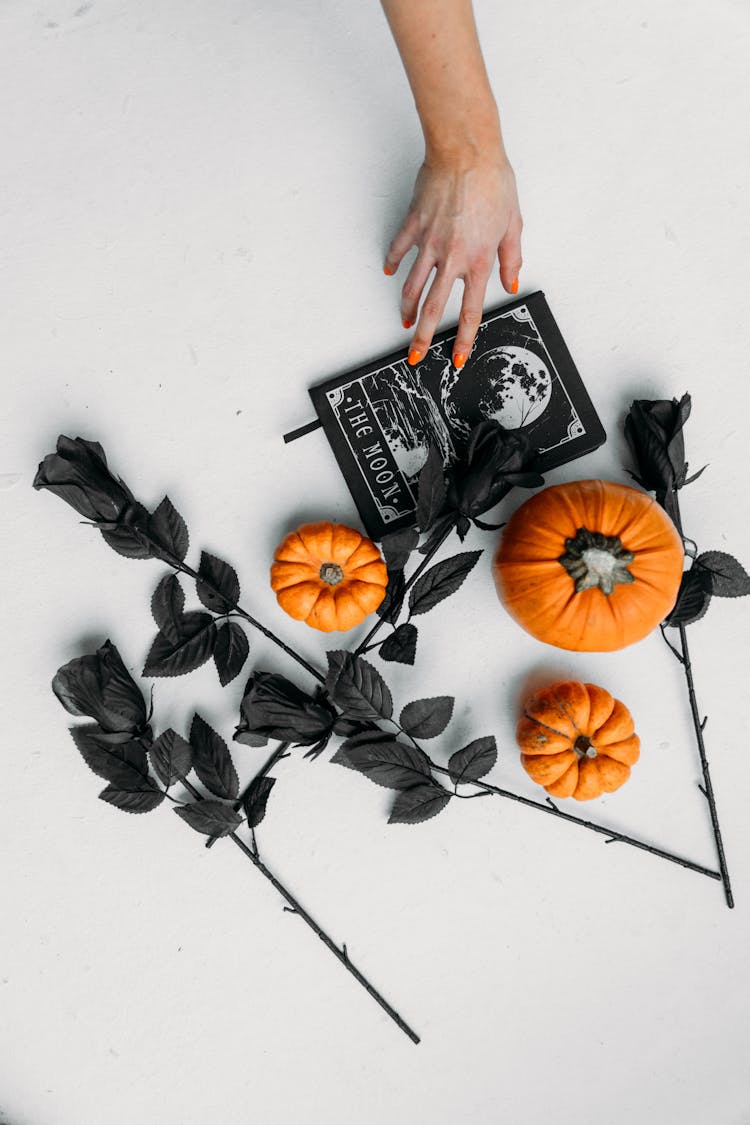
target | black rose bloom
[
  {"x": 78, "y": 473},
  {"x": 496, "y": 459},
  {"x": 653, "y": 430},
  {"x": 99, "y": 686},
  {"x": 272, "y": 707}
]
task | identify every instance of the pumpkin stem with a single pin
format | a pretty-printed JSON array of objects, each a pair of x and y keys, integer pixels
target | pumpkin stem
[
  {"x": 331, "y": 573},
  {"x": 592, "y": 559},
  {"x": 584, "y": 747}
]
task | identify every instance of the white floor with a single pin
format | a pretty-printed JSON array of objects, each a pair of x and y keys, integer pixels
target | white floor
[{"x": 195, "y": 202}]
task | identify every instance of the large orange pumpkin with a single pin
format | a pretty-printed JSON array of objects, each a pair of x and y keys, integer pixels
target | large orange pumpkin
[
  {"x": 328, "y": 575},
  {"x": 577, "y": 741},
  {"x": 590, "y": 565}
]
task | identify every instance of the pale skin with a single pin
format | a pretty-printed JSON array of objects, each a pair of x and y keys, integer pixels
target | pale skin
[{"x": 464, "y": 216}]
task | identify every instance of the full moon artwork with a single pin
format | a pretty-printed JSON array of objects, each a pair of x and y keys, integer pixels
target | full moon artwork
[{"x": 508, "y": 384}]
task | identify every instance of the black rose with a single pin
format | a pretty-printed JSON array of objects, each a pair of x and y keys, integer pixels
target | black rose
[
  {"x": 653, "y": 430},
  {"x": 78, "y": 473},
  {"x": 99, "y": 686},
  {"x": 495, "y": 460},
  {"x": 272, "y": 707}
]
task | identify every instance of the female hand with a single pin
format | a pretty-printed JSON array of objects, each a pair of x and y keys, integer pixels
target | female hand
[{"x": 464, "y": 216}]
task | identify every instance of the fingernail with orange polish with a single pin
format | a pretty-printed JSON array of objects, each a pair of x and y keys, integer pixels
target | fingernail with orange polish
[
  {"x": 414, "y": 356},
  {"x": 514, "y": 286},
  {"x": 388, "y": 271},
  {"x": 408, "y": 323},
  {"x": 459, "y": 360}
]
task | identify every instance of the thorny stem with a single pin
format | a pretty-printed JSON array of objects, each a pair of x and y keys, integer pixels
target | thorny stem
[
  {"x": 486, "y": 790},
  {"x": 340, "y": 953},
  {"x": 612, "y": 835},
  {"x": 698, "y": 724}
]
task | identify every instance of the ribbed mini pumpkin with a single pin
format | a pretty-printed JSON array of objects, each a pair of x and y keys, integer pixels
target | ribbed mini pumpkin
[
  {"x": 329, "y": 576},
  {"x": 577, "y": 740},
  {"x": 590, "y": 565}
]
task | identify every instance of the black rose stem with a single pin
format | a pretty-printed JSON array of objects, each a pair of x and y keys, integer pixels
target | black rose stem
[
  {"x": 654, "y": 432},
  {"x": 340, "y": 953},
  {"x": 699, "y": 724},
  {"x": 79, "y": 474}
]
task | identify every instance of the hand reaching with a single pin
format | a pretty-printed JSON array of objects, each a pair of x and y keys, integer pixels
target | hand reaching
[{"x": 462, "y": 216}]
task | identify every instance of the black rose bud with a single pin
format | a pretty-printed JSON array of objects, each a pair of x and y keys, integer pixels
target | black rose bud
[
  {"x": 100, "y": 686},
  {"x": 653, "y": 430},
  {"x": 78, "y": 473},
  {"x": 272, "y": 707},
  {"x": 496, "y": 459}
]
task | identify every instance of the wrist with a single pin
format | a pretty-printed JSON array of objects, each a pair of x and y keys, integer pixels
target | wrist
[{"x": 464, "y": 142}]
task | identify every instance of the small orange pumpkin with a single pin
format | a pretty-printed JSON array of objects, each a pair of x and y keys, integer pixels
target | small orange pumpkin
[
  {"x": 329, "y": 576},
  {"x": 590, "y": 565},
  {"x": 577, "y": 740}
]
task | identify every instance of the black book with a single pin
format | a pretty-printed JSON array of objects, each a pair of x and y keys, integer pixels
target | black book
[{"x": 381, "y": 418}]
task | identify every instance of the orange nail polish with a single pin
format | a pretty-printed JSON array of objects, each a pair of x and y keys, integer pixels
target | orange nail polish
[
  {"x": 414, "y": 356},
  {"x": 388, "y": 271},
  {"x": 514, "y": 286},
  {"x": 408, "y": 323},
  {"x": 459, "y": 360}
]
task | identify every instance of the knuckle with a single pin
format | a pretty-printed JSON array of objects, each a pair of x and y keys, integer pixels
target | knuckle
[
  {"x": 432, "y": 309},
  {"x": 470, "y": 319}
]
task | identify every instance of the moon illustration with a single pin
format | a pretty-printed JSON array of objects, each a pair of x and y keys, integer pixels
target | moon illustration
[{"x": 508, "y": 384}]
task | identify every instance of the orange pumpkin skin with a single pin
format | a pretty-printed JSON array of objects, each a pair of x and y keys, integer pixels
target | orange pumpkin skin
[
  {"x": 577, "y": 741},
  {"x": 541, "y": 545},
  {"x": 329, "y": 576}
]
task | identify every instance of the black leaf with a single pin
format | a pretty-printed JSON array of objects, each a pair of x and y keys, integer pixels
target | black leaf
[
  {"x": 218, "y": 585},
  {"x": 385, "y": 761},
  {"x": 420, "y": 802},
  {"x": 431, "y": 490},
  {"x": 690, "y": 479},
  {"x": 692, "y": 599},
  {"x": 169, "y": 531},
  {"x": 212, "y": 760},
  {"x": 427, "y": 718},
  {"x": 133, "y": 800},
  {"x": 474, "y": 761},
  {"x": 722, "y": 575},
  {"x": 439, "y": 533},
  {"x": 123, "y": 763},
  {"x": 390, "y": 607},
  {"x": 212, "y": 818},
  {"x": 440, "y": 581},
  {"x": 463, "y": 524},
  {"x": 255, "y": 799},
  {"x": 171, "y": 756},
  {"x": 167, "y": 607},
  {"x": 193, "y": 647},
  {"x": 401, "y": 646},
  {"x": 397, "y": 546},
  {"x": 126, "y": 541},
  {"x": 357, "y": 688},
  {"x": 230, "y": 652}
]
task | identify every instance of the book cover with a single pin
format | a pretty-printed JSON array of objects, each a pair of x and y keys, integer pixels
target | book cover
[{"x": 381, "y": 418}]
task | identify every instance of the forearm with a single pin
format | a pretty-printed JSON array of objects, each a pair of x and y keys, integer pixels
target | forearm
[{"x": 439, "y": 47}]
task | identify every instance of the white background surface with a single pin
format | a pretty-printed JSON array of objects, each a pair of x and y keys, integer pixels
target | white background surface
[{"x": 195, "y": 204}]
